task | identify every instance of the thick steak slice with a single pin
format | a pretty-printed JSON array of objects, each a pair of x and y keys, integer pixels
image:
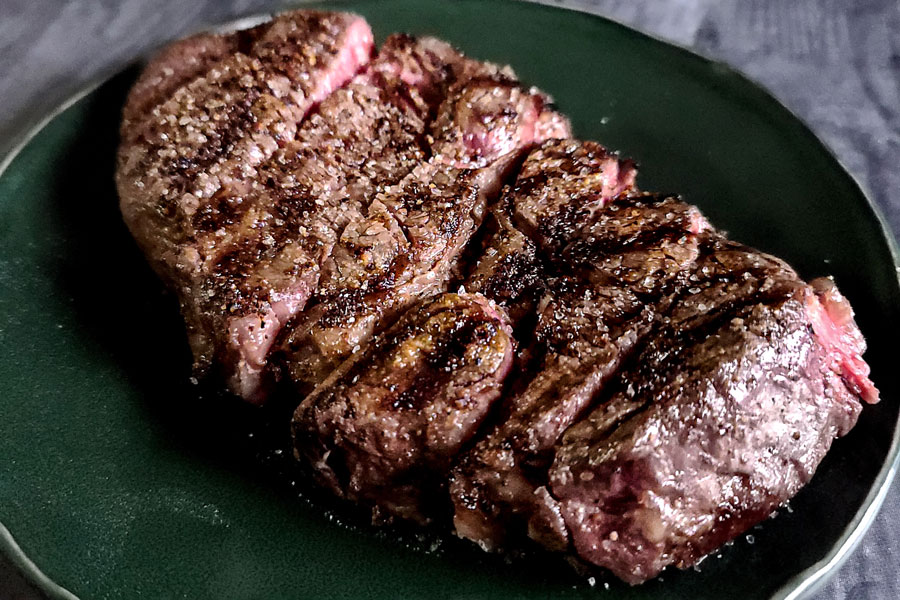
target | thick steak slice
[
  {"x": 384, "y": 427},
  {"x": 414, "y": 232},
  {"x": 185, "y": 167},
  {"x": 588, "y": 323},
  {"x": 281, "y": 228},
  {"x": 582, "y": 331},
  {"x": 722, "y": 416}
]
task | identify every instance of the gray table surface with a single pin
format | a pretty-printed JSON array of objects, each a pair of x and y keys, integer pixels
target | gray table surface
[{"x": 836, "y": 63}]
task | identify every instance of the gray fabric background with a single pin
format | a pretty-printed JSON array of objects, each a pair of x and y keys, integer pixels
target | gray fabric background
[{"x": 836, "y": 63}]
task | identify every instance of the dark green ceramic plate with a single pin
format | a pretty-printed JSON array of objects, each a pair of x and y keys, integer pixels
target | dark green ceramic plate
[{"x": 118, "y": 482}]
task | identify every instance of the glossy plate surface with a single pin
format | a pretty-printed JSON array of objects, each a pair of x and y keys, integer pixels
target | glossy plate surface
[{"x": 118, "y": 482}]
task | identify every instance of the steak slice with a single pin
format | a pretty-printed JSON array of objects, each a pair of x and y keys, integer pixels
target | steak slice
[
  {"x": 413, "y": 234},
  {"x": 561, "y": 182},
  {"x": 588, "y": 324},
  {"x": 215, "y": 130},
  {"x": 384, "y": 427},
  {"x": 267, "y": 264},
  {"x": 184, "y": 169},
  {"x": 562, "y": 185},
  {"x": 722, "y": 416}
]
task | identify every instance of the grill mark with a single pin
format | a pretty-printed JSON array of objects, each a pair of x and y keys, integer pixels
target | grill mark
[
  {"x": 684, "y": 335},
  {"x": 254, "y": 112},
  {"x": 676, "y": 341}
]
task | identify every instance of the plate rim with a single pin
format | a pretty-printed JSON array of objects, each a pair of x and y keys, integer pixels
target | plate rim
[{"x": 801, "y": 585}]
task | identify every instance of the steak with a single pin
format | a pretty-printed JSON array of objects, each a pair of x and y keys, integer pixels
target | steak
[
  {"x": 385, "y": 426},
  {"x": 189, "y": 169},
  {"x": 614, "y": 379},
  {"x": 407, "y": 245},
  {"x": 722, "y": 416},
  {"x": 588, "y": 322}
]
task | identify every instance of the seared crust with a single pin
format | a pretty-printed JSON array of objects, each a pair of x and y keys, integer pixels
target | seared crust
[
  {"x": 408, "y": 243},
  {"x": 385, "y": 426}
]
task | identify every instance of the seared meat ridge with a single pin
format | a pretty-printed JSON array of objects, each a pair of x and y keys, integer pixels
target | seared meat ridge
[
  {"x": 561, "y": 181},
  {"x": 723, "y": 415},
  {"x": 413, "y": 233},
  {"x": 384, "y": 427}
]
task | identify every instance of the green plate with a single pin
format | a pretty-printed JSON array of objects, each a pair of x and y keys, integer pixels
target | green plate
[{"x": 118, "y": 481}]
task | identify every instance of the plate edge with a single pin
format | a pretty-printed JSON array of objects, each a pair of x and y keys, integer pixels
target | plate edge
[{"x": 30, "y": 571}]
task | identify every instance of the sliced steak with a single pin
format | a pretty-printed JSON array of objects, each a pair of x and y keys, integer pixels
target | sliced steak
[
  {"x": 589, "y": 320},
  {"x": 364, "y": 137},
  {"x": 384, "y": 427},
  {"x": 722, "y": 416},
  {"x": 185, "y": 167},
  {"x": 414, "y": 232},
  {"x": 311, "y": 204}
]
